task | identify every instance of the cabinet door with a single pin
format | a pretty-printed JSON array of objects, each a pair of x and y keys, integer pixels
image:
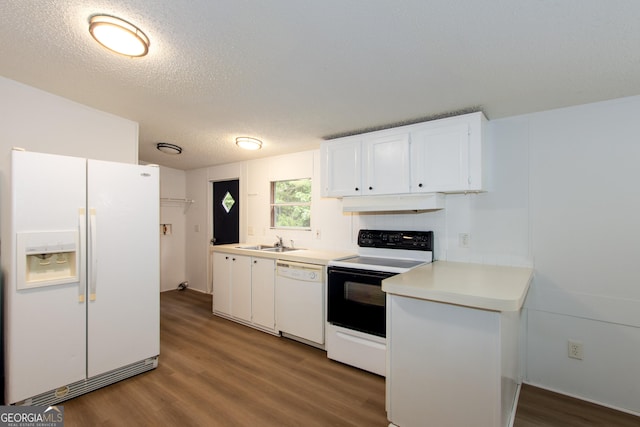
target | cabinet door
[
  {"x": 440, "y": 158},
  {"x": 241, "y": 287},
  {"x": 341, "y": 167},
  {"x": 222, "y": 283},
  {"x": 387, "y": 165},
  {"x": 263, "y": 292}
]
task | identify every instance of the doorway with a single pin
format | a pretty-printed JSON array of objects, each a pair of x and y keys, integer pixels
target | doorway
[{"x": 226, "y": 212}]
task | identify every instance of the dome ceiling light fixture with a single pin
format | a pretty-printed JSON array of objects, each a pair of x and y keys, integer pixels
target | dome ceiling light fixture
[
  {"x": 118, "y": 35},
  {"x": 248, "y": 143},
  {"x": 167, "y": 148}
]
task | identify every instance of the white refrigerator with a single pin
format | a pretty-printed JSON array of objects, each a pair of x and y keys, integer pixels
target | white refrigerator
[{"x": 81, "y": 276}]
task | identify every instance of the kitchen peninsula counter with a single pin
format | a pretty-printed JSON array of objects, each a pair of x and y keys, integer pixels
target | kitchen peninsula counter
[
  {"x": 453, "y": 334},
  {"x": 487, "y": 287}
]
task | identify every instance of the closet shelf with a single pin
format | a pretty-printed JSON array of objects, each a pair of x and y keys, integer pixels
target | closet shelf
[{"x": 171, "y": 201}]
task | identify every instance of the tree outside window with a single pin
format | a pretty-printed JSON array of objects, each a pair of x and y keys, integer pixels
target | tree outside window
[{"x": 291, "y": 203}]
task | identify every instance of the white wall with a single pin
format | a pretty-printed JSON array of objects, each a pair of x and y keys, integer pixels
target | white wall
[
  {"x": 39, "y": 121},
  {"x": 585, "y": 207},
  {"x": 197, "y": 235},
  {"x": 173, "y": 270}
]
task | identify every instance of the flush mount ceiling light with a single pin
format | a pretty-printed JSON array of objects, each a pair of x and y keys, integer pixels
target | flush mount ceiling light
[
  {"x": 248, "y": 143},
  {"x": 167, "y": 148},
  {"x": 118, "y": 35}
]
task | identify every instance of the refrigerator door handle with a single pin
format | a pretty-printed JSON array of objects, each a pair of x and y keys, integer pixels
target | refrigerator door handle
[
  {"x": 93, "y": 255},
  {"x": 82, "y": 230}
]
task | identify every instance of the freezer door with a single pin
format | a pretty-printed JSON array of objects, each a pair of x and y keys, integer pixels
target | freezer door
[
  {"x": 123, "y": 274},
  {"x": 45, "y": 326}
]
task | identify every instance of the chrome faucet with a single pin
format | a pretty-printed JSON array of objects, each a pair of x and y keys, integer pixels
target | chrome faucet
[{"x": 279, "y": 243}]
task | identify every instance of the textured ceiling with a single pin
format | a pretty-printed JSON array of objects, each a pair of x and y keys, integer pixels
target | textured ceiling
[{"x": 292, "y": 72}]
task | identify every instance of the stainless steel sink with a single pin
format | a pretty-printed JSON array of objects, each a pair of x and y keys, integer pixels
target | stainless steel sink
[
  {"x": 257, "y": 247},
  {"x": 268, "y": 248},
  {"x": 280, "y": 249}
]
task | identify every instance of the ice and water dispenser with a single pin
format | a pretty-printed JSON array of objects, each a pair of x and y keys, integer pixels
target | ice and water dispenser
[{"x": 47, "y": 258}]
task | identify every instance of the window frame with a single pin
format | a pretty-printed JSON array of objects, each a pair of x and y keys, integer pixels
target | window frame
[{"x": 273, "y": 205}]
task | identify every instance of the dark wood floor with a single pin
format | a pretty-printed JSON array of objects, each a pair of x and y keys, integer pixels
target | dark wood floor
[
  {"x": 538, "y": 407},
  {"x": 214, "y": 372}
]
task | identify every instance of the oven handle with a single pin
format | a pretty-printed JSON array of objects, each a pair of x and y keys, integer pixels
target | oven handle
[{"x": 362, "y": 341}]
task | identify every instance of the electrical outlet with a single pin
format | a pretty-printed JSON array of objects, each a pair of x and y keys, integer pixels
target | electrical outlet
[
  {"x": 575, "y": 350},
  {"x": 317, "y": 233},
  {"x": 463, "y": 240}
]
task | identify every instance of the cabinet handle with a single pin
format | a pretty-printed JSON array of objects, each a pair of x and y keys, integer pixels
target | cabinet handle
[
  {"x": 233, "y": 259},
  {"x": 420, "y": 185},
  {"x": 255, "y": 261},
  {"x": 226, "y": 257},
  {"x": 370, "y": 188},
  {"x": 357, "y": 189}
]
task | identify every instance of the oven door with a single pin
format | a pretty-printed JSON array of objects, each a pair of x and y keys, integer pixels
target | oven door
[{"x": 356, "y": 300}]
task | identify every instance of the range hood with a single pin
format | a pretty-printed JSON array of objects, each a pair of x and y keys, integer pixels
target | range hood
[{"x": 394, "y": 203}]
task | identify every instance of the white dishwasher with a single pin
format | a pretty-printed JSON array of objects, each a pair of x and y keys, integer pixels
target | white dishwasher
[{"x": 300, "y": 311}]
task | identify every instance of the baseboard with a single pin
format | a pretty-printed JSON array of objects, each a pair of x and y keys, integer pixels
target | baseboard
[{"x": 202, "y": 291}]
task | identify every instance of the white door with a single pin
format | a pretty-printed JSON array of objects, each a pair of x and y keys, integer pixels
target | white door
[
  {"x": 45, "y": 326},
  {"x": 123, "y": 274}
]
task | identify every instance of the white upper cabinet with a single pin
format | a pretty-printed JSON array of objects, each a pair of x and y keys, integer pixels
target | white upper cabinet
[
  {"x": 357, "y": 166},
  {"x": 341, "y": 167},
  {"x": 440, "y": 158},
  {"x": 387, "y": 165},
  {"x": 444, "y": 156}
]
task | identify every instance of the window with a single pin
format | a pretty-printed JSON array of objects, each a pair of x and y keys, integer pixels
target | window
[{"x": 291, "y": 203}]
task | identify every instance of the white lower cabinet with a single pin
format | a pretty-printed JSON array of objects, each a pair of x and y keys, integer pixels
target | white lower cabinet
[
  {"x": 222, "y": 283},
  {"x": 244, "y": 289},
  {"x": 263, "y": 293},
  {"x": 241, "y": 287},
  {"x": 449, "y": 365}
]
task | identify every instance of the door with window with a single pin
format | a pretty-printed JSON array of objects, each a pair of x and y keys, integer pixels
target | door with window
[{"x": 226, "y": 212}]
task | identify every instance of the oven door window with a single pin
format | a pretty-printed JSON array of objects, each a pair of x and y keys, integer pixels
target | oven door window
[
  {"x": 365, "y": 294},
  {"x": 356, "y": 300}
]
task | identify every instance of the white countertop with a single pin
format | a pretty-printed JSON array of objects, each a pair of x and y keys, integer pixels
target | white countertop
[
  {"x": 311, "y": 256},
  {"x": 486, "y": 287}
]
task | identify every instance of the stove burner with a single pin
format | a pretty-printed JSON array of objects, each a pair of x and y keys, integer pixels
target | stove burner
[{"x": 364, "y": 261}]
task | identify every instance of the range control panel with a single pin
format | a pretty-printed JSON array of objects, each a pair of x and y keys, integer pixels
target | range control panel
[{"x": 410, "y": 240}]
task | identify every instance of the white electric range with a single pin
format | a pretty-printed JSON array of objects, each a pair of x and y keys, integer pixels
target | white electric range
[{"x": 356, "y": 304}]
